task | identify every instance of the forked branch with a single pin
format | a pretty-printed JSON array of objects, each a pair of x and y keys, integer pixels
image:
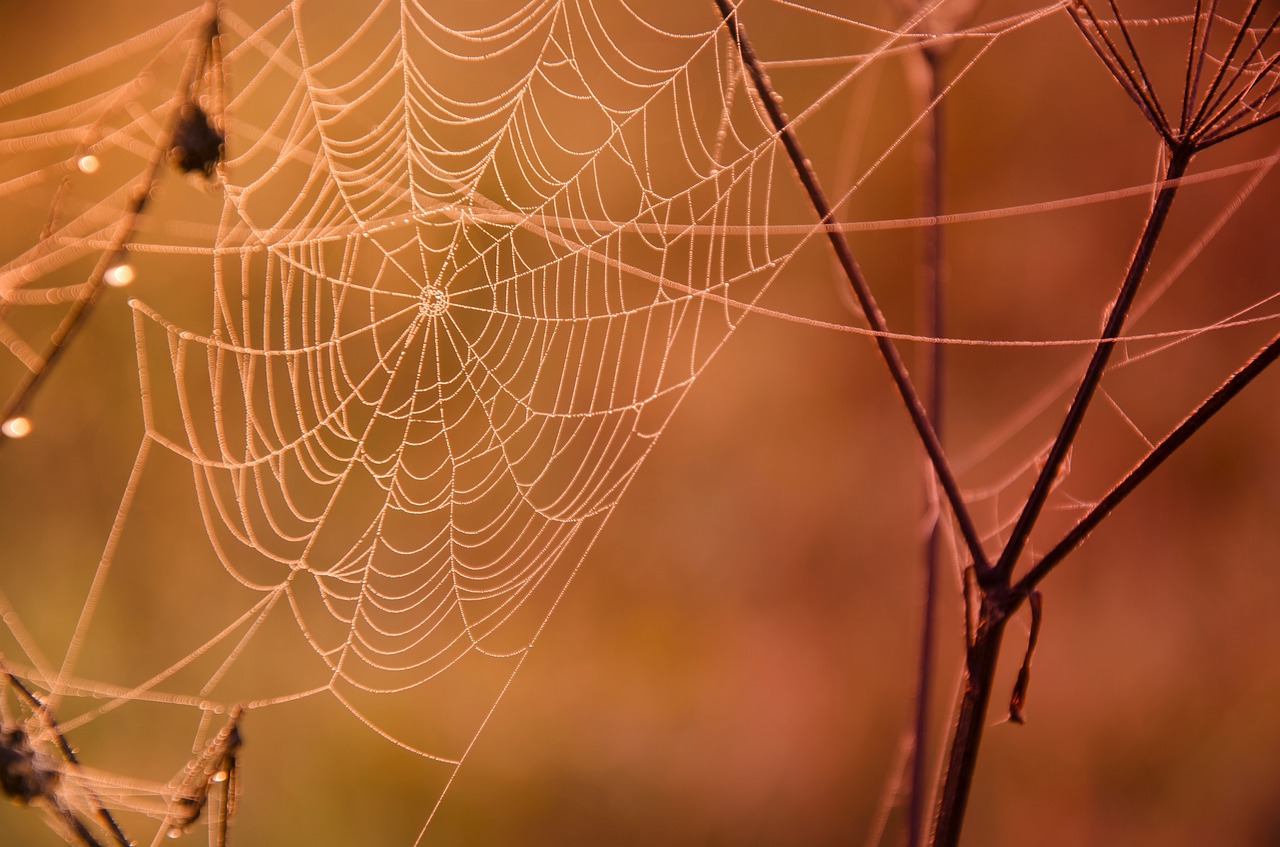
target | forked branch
[
  {"x": 1198, "y": 126},
  {"x": 1197, "y": 129},
  {"x": 1216, "y": 401},
  {"x": 1138, "y": 264}
]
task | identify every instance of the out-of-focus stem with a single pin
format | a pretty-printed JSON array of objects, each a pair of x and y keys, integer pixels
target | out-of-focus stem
[{"x": 931, "y": 322}]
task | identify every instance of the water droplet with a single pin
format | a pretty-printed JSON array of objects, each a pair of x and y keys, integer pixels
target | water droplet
[
  {"x": 88, "y": 164},
  {"x": 18, "y": 427},
  {"x": 120, "y": 275}
]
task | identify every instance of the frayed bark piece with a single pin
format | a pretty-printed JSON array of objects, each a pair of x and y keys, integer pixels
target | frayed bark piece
[{"x": 1018, "y": 701}]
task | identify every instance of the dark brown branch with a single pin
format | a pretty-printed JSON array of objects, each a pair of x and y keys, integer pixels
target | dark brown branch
[
  {"x": 1096, "y": 37},
  {"x": 1216, "y": 91},
  {"x": 1148, "y": 87},
  {"x": 897, "y": 370},
  {"x": 1178, "y": 161},
  {"x": 1219, "y": 120},
  {"x": 1195, "y": 64},
  {"x": 1219, "y": 126},
  {"x": 997, "y": 601},
  {"x": 962, "y": 756},
  {"x": 1162, "y": 451},
  {"x": 1243, "y": 128}
]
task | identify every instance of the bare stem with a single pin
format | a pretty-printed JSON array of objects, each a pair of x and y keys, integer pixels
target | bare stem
[
  {"x": 897, "y": 370},
  {"x": 932, "y": 362},
  {"x": 1179, "y": 159},
  {"x": 962, "y": 756},
  {"x": 1162, "y": 451},
  {"x": 26, "y": 388}
]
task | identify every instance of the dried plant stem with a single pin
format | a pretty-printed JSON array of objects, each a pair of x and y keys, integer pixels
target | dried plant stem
[
  {"x": 875, "y": 318},
  {"x": 962, "y": 755},
  {"x": 1162, "y": 451},
  {"x": 999, "y": 601},
  {"x": 81, "y": 832},
  {"x": 997, "y": 598},
  {"x": 927, "y": 61},
  {"x": 1003, "y": 602},
  {"x": 1179, "y": 159},
  {"x": 62, "y": 336},
  {"x": 26, "y": 388}
]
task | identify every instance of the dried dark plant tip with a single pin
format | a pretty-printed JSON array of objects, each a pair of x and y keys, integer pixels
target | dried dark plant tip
[
  {"x": 198, "y": 145},
  {"x": 1240, "y": 95},
  {"x": 1018, "y": 700},
  {"x": 31, "y": 775},
  {"x": 24, "y": 775},
  {"x": 194, "y": 143},
  {"x": 198, "y": 140},
  {"x": 212, "y": 774}
]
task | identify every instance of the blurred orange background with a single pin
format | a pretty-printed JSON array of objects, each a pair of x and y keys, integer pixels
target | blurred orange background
[{"x": 734, "y": 663}]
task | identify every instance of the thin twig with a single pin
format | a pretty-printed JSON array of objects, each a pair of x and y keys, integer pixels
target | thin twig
[
  {"x": 26, "y": 388},
  {"x": 1219, "y": 118},
  {"x": 1219, "y": 126},
  {"x": 1195, "y": 64},
  {"x": 1162, "y": 451},
  {"x": 1179, "y": 159},
  {"x": 1216, "y": 91},
  {"x": 1243, "y": 128},
  {"x": 1102, "y": 45},
  {"x": 1152, "y": 96}
]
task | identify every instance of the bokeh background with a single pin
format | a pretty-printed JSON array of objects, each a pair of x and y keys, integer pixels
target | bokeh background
[{"x": 734, "y": 662}]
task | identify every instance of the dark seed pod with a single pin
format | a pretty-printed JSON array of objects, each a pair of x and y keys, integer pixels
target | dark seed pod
[{"x": 197, "y": 143}]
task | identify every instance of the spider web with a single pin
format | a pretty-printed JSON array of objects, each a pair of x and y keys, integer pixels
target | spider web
[{"x": 399, "y": 359}]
